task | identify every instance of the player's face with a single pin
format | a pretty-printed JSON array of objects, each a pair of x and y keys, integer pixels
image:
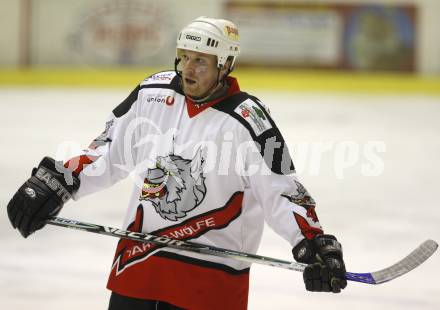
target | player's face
[{"x": 199, "y": 73}]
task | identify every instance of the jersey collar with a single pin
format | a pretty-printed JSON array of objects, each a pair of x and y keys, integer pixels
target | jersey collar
[{"x": 194, "y": 109}]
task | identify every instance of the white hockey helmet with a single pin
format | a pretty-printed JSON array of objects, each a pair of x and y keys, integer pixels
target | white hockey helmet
[{"x": 212, "y": 36}]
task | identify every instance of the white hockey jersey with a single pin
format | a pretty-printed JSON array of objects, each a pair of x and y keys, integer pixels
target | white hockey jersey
[{"x": 210, "y": 174}]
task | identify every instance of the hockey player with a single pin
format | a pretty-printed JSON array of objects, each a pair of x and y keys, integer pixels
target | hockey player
[{"x": 210, "y": 166}]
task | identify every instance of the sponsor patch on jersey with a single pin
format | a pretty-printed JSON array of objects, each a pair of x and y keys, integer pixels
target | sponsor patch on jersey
[
  {"x": 254, "y": 115},
  {"x": 168, "y": 100},
  {"x": 160, "y": 78}
]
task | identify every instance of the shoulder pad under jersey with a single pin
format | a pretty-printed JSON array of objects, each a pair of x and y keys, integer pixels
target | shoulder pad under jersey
[{"x": 165, "y": 79}]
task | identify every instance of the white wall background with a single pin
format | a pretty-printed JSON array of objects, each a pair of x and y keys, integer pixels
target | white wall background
[
  {"x": 9, "y": 32},
  {"x": 54, "y": 20}
]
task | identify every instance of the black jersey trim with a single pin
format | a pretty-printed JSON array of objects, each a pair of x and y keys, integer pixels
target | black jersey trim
[
  {"x": 201, "y": 263},
  {"x": 280, "y": 162},
  {"x": 125, "y": 105}
]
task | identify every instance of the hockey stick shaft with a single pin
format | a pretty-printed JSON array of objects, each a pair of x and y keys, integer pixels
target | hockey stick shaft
[
  {"x": 414, "y": 259},
  {"x": 164, "y": 241}
]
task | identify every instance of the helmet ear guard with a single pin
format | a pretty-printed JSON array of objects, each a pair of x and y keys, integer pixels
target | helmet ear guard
[
  {"x": 176, "y": 64},
  {"x": 212, "y": 36}
]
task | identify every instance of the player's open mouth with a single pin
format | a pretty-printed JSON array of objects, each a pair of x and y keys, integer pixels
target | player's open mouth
[
  {"x": 189, "y": 81},
  {"x": 152, "y": 190}
]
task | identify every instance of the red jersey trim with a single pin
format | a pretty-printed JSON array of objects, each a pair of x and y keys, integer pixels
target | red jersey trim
[
  {"x": 307, "y": 230},
  {"x": 180, "y": 280},
  {"x": 130, "y": 253},
  {"x": 77, "y": 164},
  {"x": 184, "y": 284}
]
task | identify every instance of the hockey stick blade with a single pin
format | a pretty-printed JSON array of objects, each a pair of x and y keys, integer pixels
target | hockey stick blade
[
  {"x": 411, "y": 261},
  {"x": 414, "y": 259}
]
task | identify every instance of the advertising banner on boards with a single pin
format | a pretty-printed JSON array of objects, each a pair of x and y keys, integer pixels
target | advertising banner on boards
[{"x": 335, "y": 36}]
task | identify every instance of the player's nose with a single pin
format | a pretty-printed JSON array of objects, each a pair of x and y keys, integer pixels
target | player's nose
[{"x": 189, "y": 67}]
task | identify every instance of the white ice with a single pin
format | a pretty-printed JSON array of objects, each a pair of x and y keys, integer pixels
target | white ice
[{"x": 378, "y": 218}]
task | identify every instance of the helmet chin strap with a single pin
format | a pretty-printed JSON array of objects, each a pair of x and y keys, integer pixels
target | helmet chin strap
[{"x": 211, "y": 91}]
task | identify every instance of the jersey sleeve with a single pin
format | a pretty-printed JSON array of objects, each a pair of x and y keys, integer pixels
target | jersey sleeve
[
  {"x": 270, "y": 176},
  {"x": 109, "y": 157}
]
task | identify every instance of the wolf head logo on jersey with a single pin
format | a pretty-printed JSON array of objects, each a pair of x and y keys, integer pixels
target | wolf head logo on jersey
[{"x": 176, "y": 186}]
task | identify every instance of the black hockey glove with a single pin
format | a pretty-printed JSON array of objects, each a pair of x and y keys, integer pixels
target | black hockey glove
[
  {"x": 326, "y": 268},
  {"x": 41, "y": 196}
]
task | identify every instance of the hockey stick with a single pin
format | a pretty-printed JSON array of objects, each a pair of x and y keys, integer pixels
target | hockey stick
[{"x": 414, "y": 259}]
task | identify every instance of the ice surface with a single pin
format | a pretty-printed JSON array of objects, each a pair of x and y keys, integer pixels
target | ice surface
[{"x": 378, "y": 219}]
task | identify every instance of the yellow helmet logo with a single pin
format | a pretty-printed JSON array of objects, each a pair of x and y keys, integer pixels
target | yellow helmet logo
[{"x": 232, "y": 33}]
